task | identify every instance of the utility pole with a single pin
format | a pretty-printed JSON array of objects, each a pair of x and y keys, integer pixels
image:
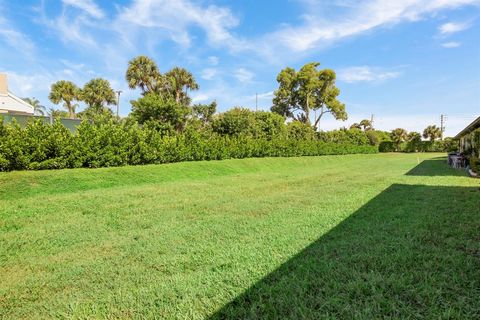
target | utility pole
[
  {"x": 371, "y": 120},
  {"x": 256, "y": 101},
  {"x": 118, "y": 101},
  {"x": 442, "y": 125}
]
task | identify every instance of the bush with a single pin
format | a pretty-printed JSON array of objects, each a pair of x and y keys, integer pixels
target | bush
[
  {"x": 157, "y": 110},
  {"x": 242, "y": 121},
  {"x": 108, "y": 142},
  {"x": 447, "y": 145},
  {"x": 387, "y": 146},
  {"x": 474, "y": 164},
  {"x": 350, "y": 136},
  {"x": 300, "y": 131}
]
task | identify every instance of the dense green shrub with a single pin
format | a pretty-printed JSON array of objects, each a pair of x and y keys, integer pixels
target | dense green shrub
[
  {"x": 447, "y": 145},
  {"x": 107, "y": 142},
  {"x": 164, "y": 113},
  {"x": 243, "y": 121},
  {"x": 476, "y": 142},
  {"x": 474, "y": 164},
  {"x": 350, "y": 136},
  {"x": 387, "y": 146},
  {"x": 300, "y": 131}
]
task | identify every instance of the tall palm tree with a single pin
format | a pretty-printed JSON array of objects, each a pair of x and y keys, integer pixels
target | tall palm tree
[
  {"x": 398, "y": 136},
  {"x": 180, "y": 79},
  {"x": 432, "y": 133},
  {"x": 143, "y": 73},
  {"x": 98, "y": 94},
  {"x": 356, "y": 126},
  {"x": 67, "y": 92},
  {"x": 38, "y": 109}
]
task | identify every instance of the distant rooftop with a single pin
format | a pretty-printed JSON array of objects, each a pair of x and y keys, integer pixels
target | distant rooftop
[{"x": 10, "y": 103}]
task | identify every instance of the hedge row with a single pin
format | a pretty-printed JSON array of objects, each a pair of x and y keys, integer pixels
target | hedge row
[
  {"x": 419, "y": 146},
  {"x": 109, "y": 143}
]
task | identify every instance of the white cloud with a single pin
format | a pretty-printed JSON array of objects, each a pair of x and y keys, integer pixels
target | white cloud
[
  {"x": 88, "y": 6},
  {"x": 208, "y": 73},
  {"x": 200, "y": 97},
  {"x": 80, "y": 27},
  {"x": 15, "y": 39},
  {"x": 30, "y": 85},
  {"x": 153, "y": 21},
  {"x": 452, "y": 27},
  {"x": 243, "y": 75},
  {"x": 319, "y": 30},
  {"x": 365, "y": 74},
  {"x": 73, "y": 30},
  {"x": 451, "y": 44},
  {"x": 175, "y": 18}
]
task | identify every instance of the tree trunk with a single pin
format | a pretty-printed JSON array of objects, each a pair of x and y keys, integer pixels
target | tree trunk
[
  {"x": 177, "y": 96},
  {"x": 70, "y": 111}
]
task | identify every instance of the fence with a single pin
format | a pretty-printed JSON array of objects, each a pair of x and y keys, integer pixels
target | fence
[{"x": 22, "y": 120}]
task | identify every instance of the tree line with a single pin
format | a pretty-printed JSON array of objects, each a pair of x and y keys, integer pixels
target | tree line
[{"x": 303, "y": 96}]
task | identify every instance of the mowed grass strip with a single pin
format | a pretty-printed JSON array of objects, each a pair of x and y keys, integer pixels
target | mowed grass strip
[{"x": 364, "y": 236}]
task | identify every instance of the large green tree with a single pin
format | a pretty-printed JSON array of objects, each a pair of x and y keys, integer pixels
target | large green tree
[
  {"x": 67, "y": 92},
  {"x": 178, "y": 81},
  {"x": 143, "y": 73},
  {"x": 38, "y": 109},
  {"x": 306, "y": 92},
  {"x": 432, "y": 133}
]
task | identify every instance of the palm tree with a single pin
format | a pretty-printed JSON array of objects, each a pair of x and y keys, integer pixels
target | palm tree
[
  {"x": 356, "y": 126},
  {"x": 67, "y": 92},
  {"x": 179, "y": 79},
  {"x": 432, "y": 133},
  {"x": 38, "y": 109},
  {"x": 414, "y": 137},
  {"x": 366, "y": 124},
  {"x": 143, "y": 73},
  {"x": 54, "y": 113},
  {"x": 97, "y": 94},
  {"x": 398, "y": 136}
]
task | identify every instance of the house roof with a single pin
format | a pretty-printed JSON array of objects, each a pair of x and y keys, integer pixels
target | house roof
[
  {"x": 472, "y": 126},
  {"x": 11, "y": 103}
]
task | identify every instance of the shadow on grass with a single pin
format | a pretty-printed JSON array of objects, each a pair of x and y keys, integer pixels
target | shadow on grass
[
  {"x": 411, "y": 252},
  {"x": 435, "y": 167}
]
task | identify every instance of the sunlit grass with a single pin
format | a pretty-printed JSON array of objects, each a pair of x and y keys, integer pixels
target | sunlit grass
[{"x": 205, "y": 239}]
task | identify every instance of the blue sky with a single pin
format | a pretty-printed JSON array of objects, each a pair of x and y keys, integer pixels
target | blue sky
[{"x": 405, "y": 61}]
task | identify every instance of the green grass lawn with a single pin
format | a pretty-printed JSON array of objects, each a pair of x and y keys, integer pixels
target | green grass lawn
[{"x": 360, "y": 236}]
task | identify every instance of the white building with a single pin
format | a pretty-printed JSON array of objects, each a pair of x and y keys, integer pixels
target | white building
[{"x": 10, "y": 103}]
